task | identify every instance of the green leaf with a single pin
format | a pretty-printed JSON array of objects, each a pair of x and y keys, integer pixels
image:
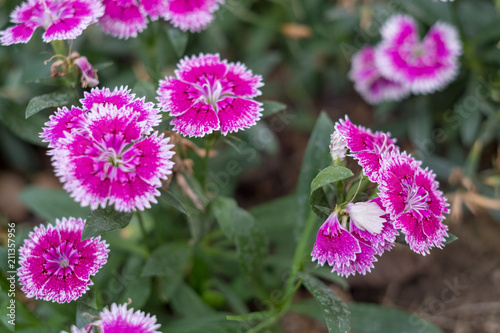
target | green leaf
[
  {"x": 27, "y": 129},
  {"x": 223, "y": 211},
  {"x": 103, "y": 220},
  {"x": 51, "y": 204},
  {"x": 138, "y": 290},
  {"x": 316, "y": 158},
  {"x": 188, "y": 303},
  {"x": 86, "y": 311},
  {"x": 326, "y": 273},
  {"x": 232, "y": 298},
  {"x": 334, "y": 310},
  {"x": 272, "y": 107},
  {"x": 329, "y": 175},
  {"x": 168, "y": 260},
  {"x": 173, "y": 201},
  {"x": 178, "y": 39},
  {"x": 450, "y": 239},
  {"x": 145, "y": 89},
  {"x": 239, "y": 225},
  {"x": 55, "y": 99},
  {"x": 372, "y": 318},
  {"x": 216, "y": 323}
]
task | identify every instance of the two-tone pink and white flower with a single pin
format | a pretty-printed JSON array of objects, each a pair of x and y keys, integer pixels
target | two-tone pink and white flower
[
  {"x": 366, "y": 147},
  {"x": 104, "y": 152},
  {"x": 207, "y": 94},
  {"x": 424, "y": 66},
  {"x": 61, "y": 19},
  {"x": 127, "y": 18},
  {"x": 191, "y": 15},
  {"x": 349, "y": 251},
  {"x": 119, "y": 319},
  {"x": 56, "y": 265},
  {"x": 369, "y": 81},
  {"x": 410, "y": 195}
]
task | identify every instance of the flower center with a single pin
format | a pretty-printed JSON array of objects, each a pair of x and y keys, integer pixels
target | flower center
[
  {"x": 61, "y": 260},
  {"x": 380, "y": 148},
  {"x": 211, "y": 92},
  {"x": 417, "y": 200}
]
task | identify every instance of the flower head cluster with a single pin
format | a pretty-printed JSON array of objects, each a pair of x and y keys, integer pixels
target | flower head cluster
[
  {"x": 369, "y": 81},
  {"x": 61, "y": 19},
  {"x": 366, "y": 147},
  {"x": 104, "y": 152},
  {"x": 207, "y": 94},
  {"x": 56, "y": 265},
  {"x": 353, "y": 249},
  {"x": 118, "y": 319},
  {"x": 409, "y": 200},
  {"x": 402, "y": 63},
  {"x": 126, "y": 18}
]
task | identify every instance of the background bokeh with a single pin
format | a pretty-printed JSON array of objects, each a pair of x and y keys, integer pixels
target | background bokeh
[{"x": 302, "y": 49}]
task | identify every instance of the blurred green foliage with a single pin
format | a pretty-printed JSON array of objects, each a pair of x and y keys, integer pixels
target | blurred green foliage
[{"x": 194, "y": 269}]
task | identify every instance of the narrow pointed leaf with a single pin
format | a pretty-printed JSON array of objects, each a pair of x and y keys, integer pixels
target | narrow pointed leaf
[{"x": 334, "y": 310}]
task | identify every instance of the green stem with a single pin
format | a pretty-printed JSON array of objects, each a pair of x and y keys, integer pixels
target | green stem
[
  {"x": 298, "y": 262},
  {"x": 266, "y": 323},
  {"x": 143, "y": 230},
  {"x": 209, "y": 142},
  {"x": 59, "y": 47}
]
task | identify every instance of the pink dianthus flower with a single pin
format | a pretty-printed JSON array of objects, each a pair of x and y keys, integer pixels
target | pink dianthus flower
[
  {"x": 365, "y": 146},
  {"x": 61, "y": 19},
  {"x": 103, "y": 154},
  {"x": 118, "y": 319},
  {"x": 56, "y": 265},
  {"x": 192, "y": 15},
  {"x": 411, "y": 197},
  {"x": 369, "y": 81},
  {"x": 123, "y": 18},
  {"x": 425, "y": 66},
  {"x": 208, "y": 95},
  {"x": 349, "y": 251}
]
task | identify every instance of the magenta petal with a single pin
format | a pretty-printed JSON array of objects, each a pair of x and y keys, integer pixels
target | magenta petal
[
  {"x": 155, "y": 8},
  {"x": 363, "y": 262},
  {"x": 334, "y": 244},
  {"x": 64, "y": 121},
  {"x": 68, "y": 28},
  {"x": 20, "y": 33},
  {"x": 425, "y": 66},
  {"x": 199, "y": 69},
  {"x": 192, "y": 15},
  {"x": 117, "y": 319},
  {"x": 367, "y": 147},
  {"x": 123, "y": 19},
  {"x": 369, "y": 81},
  {"x": 199, "y": 120},
  {"x": 237, "y": 113},
  {"x": 123, "y": 98},
  {"x": 176, "y": 96},
  {"x": 242, "y": 81}
]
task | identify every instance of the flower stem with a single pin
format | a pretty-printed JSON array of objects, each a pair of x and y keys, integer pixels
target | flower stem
[
  {"x": 209, "y": 142},
  {"x": 143, "y": 230},
  {"x": 59, "y": 47},
  {"x": 298, "y": 262}
]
